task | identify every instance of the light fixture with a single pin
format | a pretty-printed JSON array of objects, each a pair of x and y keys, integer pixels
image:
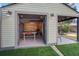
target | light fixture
[
  {"x": 52, "y": 14},
  {"x": 6, "y": 12},
  {"x": 41, "y": 17},
  {"x": 21, "y": 16}
]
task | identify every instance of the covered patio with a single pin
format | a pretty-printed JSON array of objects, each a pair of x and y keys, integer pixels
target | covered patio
[
  {"x": 60, "y": 38},
  {"x": 63, "y": 40}
]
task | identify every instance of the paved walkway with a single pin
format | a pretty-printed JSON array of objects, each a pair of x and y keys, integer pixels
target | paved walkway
[
  {"x": 56, "y": 50},
  {"x": 63, "y": 40}
]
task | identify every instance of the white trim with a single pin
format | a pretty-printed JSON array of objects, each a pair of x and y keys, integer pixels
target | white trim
[
  {"x": 0, "y": 27},
  {"x": 31, "y": 12},
  {"x": 16, "y": 29}
]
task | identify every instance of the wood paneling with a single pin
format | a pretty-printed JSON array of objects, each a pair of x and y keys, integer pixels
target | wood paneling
[{"x": 32, "y": 26}]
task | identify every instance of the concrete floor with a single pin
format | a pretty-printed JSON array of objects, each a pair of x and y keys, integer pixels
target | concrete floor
[
  {"x": 31, "y": 42},
  {"x": 62, "y": 40},
  {"x": 39, "y": 42}
]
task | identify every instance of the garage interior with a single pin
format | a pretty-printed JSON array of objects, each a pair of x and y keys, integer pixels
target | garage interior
[{"x": 31, "y": 29}]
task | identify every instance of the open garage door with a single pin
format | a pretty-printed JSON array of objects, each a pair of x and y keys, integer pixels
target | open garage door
[{"x": 31, "y": 29}]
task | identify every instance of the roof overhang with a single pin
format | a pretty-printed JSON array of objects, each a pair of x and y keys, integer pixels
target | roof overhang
[
  {"x": 62, "y": 3},
  {"x": 61, "y": 18},
  {"x": 70, "y": 7}
]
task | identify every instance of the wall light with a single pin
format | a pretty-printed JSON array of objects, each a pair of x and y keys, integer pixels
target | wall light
[
  {"x": 52, "y": 14},
  {"x": 6, "y": 12}
]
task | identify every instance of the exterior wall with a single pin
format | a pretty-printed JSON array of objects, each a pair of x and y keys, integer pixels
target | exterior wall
[
  {"x": 9, "y": 24},
  {"x": 8, "y": 31}
]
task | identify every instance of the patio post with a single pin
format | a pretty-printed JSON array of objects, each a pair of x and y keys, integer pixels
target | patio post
[
  {"x": 0, "y": 24},
  {"x": 78, "y": 29}
]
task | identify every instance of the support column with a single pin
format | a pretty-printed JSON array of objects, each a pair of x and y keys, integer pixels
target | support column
[
  {"x": 78, "y": 29},
  {"x": 0, "y": 24}
]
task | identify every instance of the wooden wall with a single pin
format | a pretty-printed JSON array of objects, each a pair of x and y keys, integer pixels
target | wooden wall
[{"x": 32, "y": 26}]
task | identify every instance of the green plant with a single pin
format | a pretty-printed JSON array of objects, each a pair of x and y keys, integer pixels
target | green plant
[{"x": 65, "y": 28}]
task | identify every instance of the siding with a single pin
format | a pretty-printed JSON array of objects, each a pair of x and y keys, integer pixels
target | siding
[
  {"x": 9, "y": 24},
  {"x": 8, "y": 31},
  {"x": 52, "y": 29}
]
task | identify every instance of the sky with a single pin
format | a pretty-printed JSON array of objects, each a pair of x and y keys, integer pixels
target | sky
[
  {"x": 77, "y": 5},
  {"x": 2, "y": 4}
]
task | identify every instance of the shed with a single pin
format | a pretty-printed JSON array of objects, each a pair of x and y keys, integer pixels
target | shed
[{"x": 14, "y": 16}]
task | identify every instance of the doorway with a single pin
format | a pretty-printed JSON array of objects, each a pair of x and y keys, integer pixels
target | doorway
[{"x": 31, "y": 29}]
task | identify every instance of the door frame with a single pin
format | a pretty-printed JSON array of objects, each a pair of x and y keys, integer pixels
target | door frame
[{"x": 17, "y": 24}]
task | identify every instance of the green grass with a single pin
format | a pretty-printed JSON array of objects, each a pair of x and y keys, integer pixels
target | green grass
[
  {"x": 39, "y": 51},
  {"x": 69, "y": 49}
]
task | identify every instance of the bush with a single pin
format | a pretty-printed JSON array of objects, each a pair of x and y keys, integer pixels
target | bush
[{"x": 65, "y": 28}]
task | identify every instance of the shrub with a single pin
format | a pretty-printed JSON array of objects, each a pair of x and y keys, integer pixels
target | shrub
[{"x": 65, "y": 28}]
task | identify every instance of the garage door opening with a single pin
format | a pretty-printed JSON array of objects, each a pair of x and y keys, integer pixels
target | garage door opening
[{"x": 31, "y": 29}]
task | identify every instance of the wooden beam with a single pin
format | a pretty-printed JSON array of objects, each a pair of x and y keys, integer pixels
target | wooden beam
[{"x": 66, "y": 19}]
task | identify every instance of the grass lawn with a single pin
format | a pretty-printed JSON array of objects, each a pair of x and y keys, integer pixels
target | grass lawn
[
  {"x": 39, "y": 51},
  {"x": 69, "y": 49}
]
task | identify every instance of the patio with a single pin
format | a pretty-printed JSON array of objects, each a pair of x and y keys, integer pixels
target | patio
[{"x": 62, "y": 40}]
